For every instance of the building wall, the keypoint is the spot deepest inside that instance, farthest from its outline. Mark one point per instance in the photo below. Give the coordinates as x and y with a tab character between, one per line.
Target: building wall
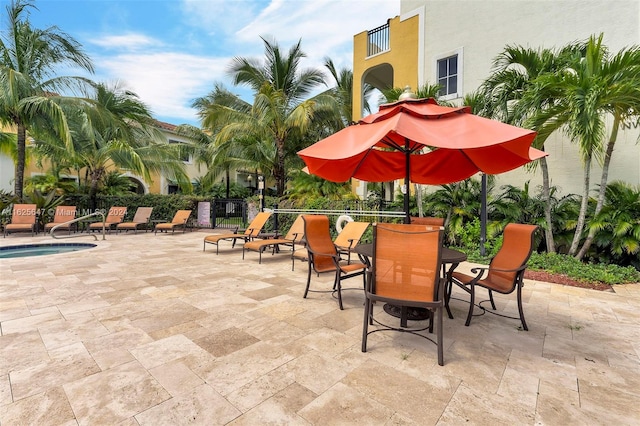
480	29
473	26
7	173
403	49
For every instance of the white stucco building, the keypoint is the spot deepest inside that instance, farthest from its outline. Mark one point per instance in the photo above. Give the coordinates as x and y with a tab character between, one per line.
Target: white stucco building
429	34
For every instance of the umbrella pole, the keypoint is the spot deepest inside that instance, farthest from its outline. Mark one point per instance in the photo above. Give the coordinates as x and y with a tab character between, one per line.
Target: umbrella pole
407	153
483	214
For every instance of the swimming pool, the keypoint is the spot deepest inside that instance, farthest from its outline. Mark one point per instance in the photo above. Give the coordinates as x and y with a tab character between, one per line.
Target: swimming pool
26	250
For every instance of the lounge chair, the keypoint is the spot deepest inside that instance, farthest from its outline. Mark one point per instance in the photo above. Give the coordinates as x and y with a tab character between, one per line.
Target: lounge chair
179	221
63	214
294	236
23	219
140	219
324	256
114	217
345	242
253	231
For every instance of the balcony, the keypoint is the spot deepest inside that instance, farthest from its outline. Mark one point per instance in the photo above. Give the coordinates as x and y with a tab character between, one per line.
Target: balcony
378	40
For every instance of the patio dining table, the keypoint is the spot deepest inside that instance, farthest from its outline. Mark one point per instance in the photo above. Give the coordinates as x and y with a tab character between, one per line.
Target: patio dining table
450	260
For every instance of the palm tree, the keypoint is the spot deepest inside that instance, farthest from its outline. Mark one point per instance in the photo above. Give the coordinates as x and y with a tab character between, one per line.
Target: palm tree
281	114
617	225
343	91
29	58
458	203
506	93
114	128
596	85
219	110
306	187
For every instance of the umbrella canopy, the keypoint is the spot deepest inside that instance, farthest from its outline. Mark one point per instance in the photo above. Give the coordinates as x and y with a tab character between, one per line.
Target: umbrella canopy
423	142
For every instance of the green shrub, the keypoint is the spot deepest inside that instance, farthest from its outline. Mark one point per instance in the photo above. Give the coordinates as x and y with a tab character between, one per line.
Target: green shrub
587	272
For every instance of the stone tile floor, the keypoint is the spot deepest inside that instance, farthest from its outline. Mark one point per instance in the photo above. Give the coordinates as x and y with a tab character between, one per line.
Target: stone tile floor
150	330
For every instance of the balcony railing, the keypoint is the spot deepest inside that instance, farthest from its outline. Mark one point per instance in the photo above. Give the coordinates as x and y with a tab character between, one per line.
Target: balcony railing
378	40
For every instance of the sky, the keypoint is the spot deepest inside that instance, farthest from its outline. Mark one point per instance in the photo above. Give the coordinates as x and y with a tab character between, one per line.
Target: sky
170	52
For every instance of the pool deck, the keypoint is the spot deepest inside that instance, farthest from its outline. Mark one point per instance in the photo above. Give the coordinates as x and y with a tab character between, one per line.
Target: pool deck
150	330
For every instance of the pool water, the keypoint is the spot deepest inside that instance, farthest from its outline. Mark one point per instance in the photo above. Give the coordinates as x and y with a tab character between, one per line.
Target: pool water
27	250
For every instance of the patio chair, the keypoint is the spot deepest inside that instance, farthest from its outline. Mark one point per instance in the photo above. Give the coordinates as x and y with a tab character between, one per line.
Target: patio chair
505	272
23	219
429	221
294	236
63	214
114	217
324	256
179	221
140	219
254	230
349	237
405	271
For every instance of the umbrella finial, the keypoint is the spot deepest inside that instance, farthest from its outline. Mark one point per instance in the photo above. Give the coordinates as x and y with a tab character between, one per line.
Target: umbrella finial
407	94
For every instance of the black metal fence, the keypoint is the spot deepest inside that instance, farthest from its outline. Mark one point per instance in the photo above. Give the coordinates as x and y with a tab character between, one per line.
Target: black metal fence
378	40
229	213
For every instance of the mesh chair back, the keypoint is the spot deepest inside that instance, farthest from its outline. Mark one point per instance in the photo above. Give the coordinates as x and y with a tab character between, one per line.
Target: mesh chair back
296	232
319	242
431	221
517	245
116	214
181	216
23	214
142	215
256	225
351	234
406	262
64	214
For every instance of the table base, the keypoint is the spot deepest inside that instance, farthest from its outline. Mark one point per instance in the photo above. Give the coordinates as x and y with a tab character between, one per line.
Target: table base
413	314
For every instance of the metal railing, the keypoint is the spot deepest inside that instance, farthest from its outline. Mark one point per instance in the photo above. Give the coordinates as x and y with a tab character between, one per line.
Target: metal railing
378	40
80	234
376	213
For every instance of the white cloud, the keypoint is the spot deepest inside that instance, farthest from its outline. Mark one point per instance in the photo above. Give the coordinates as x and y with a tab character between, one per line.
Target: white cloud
168	72
130	41
326	27
167	81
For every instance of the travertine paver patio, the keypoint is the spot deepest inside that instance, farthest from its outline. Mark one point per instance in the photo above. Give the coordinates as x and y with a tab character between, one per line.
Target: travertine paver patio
150	330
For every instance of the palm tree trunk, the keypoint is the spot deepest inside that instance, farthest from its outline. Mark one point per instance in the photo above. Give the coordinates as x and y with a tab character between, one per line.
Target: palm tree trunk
279	171
228	177
95	176
603	184
21	161
583	208
418	190
548	233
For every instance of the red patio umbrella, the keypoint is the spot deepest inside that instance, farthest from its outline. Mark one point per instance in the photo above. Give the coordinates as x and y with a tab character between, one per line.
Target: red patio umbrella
422	142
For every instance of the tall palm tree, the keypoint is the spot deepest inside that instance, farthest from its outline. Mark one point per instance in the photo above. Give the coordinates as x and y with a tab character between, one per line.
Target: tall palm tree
282	112
29	58
220	109
506	92
595	86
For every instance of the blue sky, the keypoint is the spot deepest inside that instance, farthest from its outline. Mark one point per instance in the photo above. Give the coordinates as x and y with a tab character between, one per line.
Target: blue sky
172	51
